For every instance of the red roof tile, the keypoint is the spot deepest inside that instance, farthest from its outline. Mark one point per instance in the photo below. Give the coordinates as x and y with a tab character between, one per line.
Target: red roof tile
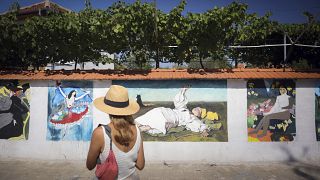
162	74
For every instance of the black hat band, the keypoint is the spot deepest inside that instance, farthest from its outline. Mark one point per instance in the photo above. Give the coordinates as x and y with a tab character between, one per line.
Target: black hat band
116	104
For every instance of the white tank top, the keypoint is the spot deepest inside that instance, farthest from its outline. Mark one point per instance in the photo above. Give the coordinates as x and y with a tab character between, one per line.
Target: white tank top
126	160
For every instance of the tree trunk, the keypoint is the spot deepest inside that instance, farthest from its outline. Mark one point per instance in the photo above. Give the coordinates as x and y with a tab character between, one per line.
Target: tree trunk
201	63
75	64
157	57
236	63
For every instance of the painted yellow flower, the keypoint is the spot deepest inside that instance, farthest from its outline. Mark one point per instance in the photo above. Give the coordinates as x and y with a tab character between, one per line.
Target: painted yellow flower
294	92
4	91
282	139
252	139
289	88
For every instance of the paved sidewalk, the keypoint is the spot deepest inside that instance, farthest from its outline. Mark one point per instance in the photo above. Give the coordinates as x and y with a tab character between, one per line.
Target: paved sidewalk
75	170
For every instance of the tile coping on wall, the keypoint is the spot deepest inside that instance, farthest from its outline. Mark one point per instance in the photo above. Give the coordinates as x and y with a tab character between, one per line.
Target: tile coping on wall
161	74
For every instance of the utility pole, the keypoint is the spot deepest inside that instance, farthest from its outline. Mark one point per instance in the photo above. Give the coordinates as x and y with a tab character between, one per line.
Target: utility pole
284	48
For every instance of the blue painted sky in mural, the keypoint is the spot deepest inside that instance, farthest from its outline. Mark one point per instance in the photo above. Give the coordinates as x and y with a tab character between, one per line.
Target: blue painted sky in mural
207	91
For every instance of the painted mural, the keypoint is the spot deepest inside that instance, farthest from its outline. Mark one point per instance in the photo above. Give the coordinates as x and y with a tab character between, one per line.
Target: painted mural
317	109
271	110
70	111
14	110
181	110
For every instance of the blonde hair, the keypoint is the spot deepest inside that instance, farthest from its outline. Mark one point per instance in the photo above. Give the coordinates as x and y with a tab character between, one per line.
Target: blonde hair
123	133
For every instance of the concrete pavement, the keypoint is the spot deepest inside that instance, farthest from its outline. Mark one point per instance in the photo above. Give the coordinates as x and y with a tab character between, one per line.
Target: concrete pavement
75	170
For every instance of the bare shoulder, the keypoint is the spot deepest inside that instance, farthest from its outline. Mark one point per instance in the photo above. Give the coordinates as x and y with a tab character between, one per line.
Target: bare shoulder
98	130
97	133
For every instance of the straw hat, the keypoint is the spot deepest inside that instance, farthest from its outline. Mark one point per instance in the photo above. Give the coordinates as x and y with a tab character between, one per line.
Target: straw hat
116	102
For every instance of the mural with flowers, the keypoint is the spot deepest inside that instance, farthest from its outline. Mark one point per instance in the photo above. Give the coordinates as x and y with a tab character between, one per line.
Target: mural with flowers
271	110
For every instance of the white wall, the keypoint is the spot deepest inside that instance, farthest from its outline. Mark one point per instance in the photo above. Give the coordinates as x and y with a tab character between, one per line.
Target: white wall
237	149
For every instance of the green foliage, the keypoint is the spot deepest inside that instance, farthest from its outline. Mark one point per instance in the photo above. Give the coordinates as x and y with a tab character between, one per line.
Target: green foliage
250	121
249	29
11	53
301	64
132	31
210	63
308	33
140	33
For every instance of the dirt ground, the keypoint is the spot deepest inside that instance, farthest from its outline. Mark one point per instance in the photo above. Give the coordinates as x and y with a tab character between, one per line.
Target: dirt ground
74	170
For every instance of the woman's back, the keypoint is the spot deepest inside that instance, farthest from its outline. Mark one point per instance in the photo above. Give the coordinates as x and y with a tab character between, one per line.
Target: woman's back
127	144
126	156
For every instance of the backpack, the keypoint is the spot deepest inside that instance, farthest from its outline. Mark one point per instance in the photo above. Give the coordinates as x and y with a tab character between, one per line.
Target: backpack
109	169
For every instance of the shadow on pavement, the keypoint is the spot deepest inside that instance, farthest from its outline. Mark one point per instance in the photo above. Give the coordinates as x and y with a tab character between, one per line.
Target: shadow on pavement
308	171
